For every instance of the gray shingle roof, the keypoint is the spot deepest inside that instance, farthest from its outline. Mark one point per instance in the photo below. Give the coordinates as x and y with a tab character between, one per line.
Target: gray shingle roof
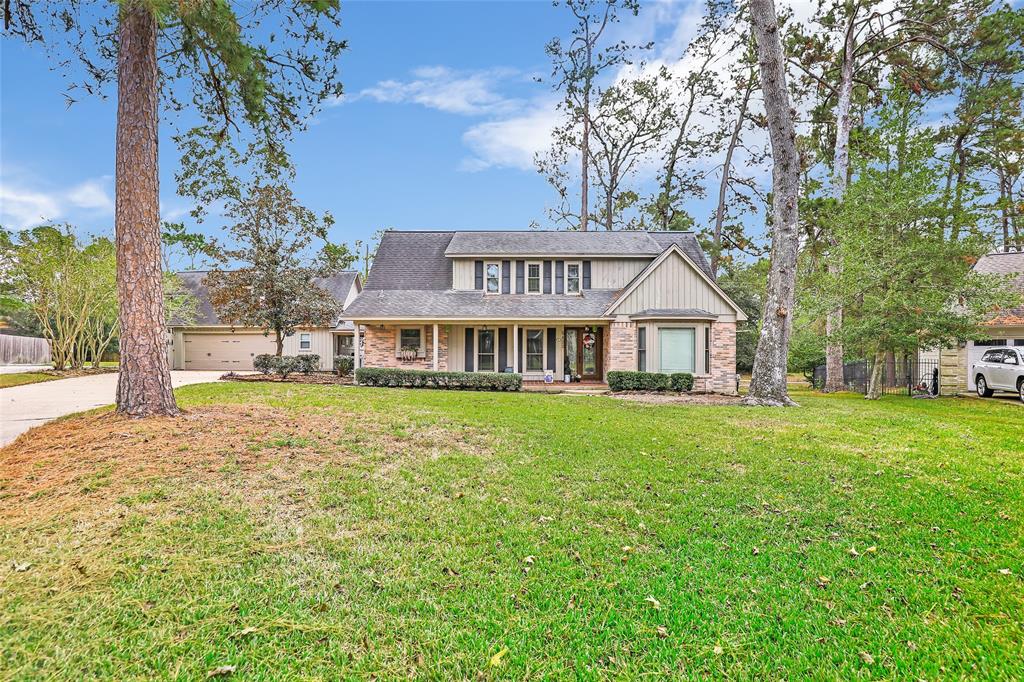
338	284
674	313
475	304
572	243
1006	264
411	260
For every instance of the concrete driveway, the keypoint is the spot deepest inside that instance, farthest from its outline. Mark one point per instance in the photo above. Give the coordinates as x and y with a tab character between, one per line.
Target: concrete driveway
22	407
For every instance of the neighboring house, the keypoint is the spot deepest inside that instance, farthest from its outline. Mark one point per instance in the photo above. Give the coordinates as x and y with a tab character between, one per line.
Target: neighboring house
538	302
208	343
1004	329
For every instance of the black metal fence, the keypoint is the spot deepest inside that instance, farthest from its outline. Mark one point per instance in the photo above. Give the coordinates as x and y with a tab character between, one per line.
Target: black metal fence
908	376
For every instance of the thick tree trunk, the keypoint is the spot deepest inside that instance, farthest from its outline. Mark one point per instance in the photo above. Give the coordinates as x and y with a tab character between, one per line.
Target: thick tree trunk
144	385
834	379
768	383
723	186
279	340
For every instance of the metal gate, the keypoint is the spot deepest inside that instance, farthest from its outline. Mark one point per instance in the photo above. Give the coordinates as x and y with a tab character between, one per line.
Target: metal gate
908	376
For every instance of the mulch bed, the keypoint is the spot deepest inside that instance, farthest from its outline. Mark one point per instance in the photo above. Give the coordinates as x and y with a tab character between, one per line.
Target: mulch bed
667	398
323	378
84	372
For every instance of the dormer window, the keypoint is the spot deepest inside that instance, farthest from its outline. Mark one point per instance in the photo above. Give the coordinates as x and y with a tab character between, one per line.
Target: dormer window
533	277
492	278
573	277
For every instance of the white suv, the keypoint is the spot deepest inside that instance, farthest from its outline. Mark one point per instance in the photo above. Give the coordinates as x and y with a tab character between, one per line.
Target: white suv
1000	369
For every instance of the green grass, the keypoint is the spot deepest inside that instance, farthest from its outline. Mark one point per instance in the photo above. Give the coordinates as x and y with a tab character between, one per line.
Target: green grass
22	378
584	537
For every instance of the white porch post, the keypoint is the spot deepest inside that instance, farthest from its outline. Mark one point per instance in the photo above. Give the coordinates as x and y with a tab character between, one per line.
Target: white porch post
515	348
355	347
435	347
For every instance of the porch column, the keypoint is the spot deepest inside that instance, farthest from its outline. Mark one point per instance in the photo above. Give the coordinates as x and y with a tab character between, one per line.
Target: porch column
435	347
515	348
355	347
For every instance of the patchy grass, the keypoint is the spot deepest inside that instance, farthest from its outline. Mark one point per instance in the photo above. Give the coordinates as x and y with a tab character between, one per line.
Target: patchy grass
315	531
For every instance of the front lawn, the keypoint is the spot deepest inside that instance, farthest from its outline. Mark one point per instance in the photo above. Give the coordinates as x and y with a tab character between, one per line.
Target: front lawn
22	378
283	531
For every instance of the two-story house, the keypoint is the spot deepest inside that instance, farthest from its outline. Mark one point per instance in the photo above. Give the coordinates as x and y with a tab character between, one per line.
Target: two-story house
566	303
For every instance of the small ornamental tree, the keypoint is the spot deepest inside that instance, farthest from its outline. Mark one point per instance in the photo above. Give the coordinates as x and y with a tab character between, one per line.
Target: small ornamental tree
274	288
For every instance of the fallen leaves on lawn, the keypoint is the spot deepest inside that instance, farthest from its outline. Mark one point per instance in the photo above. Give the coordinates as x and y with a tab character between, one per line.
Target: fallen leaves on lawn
719	650
21	567
1005	571
867	658
655	604
823	581
221	671
662	631
496	658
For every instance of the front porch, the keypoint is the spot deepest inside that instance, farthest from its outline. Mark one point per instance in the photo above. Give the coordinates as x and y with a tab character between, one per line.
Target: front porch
535	349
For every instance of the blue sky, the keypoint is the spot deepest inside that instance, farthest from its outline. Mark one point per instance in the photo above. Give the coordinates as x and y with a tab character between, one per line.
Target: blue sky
437	130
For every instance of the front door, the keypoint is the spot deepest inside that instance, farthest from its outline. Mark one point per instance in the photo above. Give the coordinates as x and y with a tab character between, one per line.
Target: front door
583	352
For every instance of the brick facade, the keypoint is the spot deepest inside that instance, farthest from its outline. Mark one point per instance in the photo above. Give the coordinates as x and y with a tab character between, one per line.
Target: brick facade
723	358
380	343
620	350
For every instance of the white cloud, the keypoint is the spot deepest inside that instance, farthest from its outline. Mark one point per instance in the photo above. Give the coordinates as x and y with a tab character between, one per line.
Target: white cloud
22	206
514	141
92	195
470	93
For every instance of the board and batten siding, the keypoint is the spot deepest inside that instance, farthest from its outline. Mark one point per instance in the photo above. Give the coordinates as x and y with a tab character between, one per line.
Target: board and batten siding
605	273
675	284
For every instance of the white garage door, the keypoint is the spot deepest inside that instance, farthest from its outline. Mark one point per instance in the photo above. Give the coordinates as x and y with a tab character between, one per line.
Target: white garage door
225	351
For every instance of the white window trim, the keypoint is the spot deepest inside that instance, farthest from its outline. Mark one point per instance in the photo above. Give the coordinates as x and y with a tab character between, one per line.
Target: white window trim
543	353
540	277
476	350
310	347
422	352
696	346
579	271
486	265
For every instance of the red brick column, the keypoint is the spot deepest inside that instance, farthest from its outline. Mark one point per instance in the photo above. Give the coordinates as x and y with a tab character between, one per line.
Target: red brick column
723	357
621	353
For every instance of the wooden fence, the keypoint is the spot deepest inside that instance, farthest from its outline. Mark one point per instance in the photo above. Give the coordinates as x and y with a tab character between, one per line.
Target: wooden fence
24	350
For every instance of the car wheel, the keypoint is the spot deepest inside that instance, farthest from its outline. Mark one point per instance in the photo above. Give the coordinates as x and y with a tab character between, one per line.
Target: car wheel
983	390
1020	388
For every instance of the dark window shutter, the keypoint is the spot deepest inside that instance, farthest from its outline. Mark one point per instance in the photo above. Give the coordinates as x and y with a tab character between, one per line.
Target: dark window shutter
470	350
502	349
586	274
641	349
547	277
551	349
520	277
478	277
506	277
522	367
559	275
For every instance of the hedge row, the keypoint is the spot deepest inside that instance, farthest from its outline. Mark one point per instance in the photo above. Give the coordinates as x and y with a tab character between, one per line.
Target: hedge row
286	364
650	381
417	378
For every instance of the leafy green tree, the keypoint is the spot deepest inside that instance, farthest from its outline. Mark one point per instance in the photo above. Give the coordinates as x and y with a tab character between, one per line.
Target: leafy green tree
274	288
745	284
264	66
193	244
901	283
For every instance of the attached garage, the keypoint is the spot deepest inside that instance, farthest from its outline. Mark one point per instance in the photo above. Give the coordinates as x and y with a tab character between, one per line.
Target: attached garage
226	351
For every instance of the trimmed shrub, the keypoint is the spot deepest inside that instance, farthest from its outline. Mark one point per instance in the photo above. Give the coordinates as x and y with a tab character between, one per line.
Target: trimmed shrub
417	378
681	381
285	365
638	381
307	363
264	363
343	365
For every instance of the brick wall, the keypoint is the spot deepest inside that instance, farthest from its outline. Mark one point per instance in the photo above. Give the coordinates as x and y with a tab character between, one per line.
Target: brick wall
621	347
379	348
723	358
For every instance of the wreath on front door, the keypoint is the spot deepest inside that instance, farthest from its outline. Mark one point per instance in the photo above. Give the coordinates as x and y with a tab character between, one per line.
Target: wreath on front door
589	339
